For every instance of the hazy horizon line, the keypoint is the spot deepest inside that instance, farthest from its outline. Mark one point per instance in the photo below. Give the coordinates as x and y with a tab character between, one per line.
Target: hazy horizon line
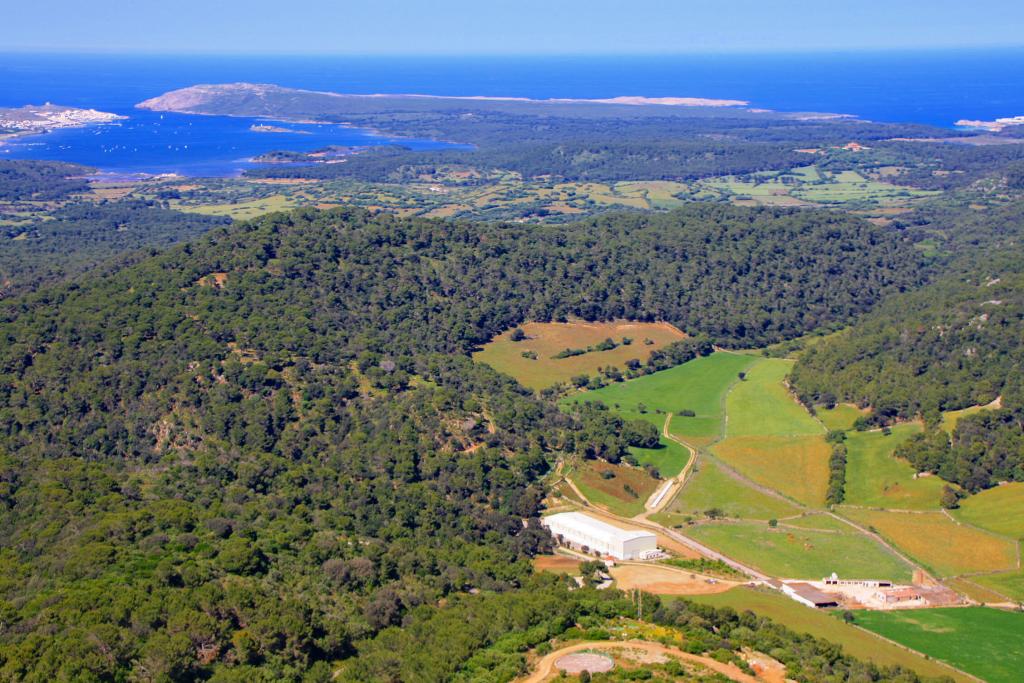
432	55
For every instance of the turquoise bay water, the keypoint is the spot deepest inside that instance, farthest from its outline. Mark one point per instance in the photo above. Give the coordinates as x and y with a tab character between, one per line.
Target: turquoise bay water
933	87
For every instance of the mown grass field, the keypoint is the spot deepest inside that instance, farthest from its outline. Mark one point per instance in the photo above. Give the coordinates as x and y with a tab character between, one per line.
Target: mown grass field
939	543
874	478
612	493
711	487
772	439
802	553
980	640
841	417
821	624
699	385
999	509
548	339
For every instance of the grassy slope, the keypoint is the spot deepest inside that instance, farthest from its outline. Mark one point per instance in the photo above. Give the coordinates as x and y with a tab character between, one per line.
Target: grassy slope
841	417
802	553
669	459
699	385
939	543
772	439
611	493
999	509
979	640
710	487
876	479
821	624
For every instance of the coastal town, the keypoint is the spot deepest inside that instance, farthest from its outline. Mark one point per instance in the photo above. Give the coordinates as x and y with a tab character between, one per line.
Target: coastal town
34	119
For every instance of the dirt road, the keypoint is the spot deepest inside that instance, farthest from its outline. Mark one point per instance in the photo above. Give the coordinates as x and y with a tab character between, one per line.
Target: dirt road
545	667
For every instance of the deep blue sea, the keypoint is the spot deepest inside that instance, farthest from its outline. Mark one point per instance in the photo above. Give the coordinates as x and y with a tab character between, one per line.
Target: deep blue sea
934	87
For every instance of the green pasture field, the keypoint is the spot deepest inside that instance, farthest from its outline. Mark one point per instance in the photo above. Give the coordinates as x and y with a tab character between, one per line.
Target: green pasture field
802	553
670	459
711	487
980	640
999	510
874	478
699	385
761	406
822	624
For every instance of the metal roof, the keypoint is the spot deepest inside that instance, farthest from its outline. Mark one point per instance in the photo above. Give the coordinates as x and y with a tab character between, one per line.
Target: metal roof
596	527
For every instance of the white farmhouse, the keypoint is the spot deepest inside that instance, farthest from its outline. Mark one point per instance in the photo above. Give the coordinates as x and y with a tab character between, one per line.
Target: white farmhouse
580	531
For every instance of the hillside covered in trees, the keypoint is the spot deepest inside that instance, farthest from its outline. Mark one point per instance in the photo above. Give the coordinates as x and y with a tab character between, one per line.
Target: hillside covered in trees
953	344
80	236
246	457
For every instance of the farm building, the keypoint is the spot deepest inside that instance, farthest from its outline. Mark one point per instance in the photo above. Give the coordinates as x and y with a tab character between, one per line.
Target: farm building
583	532
890	596
807	594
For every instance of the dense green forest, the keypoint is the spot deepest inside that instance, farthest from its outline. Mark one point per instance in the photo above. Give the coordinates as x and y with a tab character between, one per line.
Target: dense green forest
244	457
40	180
83	235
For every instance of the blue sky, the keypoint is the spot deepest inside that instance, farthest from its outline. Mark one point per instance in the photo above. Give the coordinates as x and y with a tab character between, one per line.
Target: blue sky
506	26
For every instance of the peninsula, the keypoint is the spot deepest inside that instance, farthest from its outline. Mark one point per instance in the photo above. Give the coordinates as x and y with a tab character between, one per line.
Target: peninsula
35	119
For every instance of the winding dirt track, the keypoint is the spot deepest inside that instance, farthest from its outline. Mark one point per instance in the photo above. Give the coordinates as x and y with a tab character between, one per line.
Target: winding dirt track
546	665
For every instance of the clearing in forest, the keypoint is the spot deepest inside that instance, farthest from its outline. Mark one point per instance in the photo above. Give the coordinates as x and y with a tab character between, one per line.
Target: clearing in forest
802	553
820	623
546	340
698	386
980	640
939	543
874	478
771	438
841	417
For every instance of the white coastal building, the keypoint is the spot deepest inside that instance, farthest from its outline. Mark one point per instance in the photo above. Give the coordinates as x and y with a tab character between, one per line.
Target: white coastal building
583	532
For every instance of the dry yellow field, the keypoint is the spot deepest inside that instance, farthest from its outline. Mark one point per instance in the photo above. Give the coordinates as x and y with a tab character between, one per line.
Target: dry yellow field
796	466
936	541
548	339
666	580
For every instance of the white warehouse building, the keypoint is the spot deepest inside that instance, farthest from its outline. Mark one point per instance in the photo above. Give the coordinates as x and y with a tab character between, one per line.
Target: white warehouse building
578	530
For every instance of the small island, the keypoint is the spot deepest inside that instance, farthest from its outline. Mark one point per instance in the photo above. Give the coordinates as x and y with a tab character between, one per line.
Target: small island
265	128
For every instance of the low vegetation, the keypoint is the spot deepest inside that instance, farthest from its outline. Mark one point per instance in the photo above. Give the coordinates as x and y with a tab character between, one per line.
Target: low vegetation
982	641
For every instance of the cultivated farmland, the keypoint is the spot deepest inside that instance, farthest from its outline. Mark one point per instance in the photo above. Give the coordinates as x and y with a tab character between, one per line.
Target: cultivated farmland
983	641
801	553
821	624
772	439
874	478
546	340
936	541
624	492
711	487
